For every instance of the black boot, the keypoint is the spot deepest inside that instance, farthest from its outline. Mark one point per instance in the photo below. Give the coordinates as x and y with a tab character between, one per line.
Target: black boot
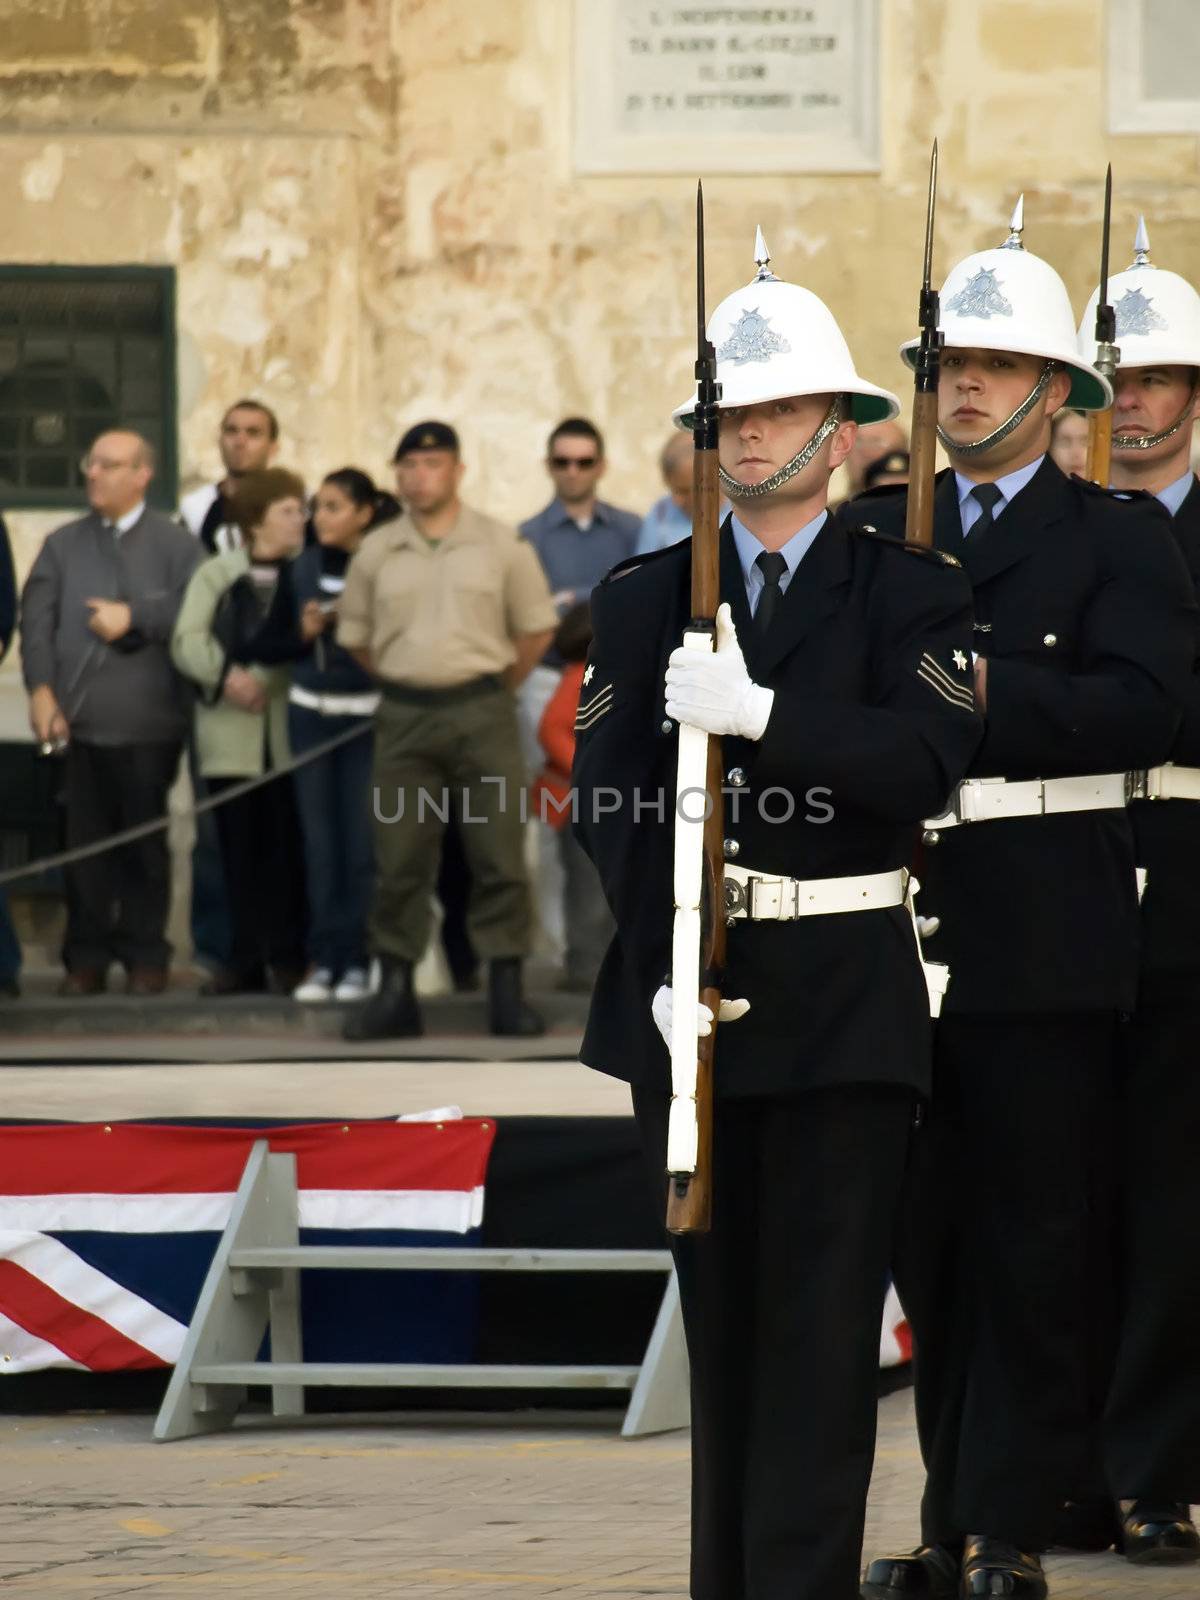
507	1012
392	1012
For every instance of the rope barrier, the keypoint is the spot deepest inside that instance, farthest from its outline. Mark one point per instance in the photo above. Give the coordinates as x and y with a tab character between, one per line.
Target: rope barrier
143	830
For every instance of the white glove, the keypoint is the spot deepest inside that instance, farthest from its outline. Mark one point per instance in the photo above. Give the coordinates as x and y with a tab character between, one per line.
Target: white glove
712	689
660	1008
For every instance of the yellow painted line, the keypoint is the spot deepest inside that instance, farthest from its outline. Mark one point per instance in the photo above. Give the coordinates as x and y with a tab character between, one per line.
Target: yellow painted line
144	1525
251	1477
250	1581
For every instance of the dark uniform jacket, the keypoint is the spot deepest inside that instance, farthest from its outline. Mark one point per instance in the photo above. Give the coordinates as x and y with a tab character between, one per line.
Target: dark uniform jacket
1167	837
1086	614
872	725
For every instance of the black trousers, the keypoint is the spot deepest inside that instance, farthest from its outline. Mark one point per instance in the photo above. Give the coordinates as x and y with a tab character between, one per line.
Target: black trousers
263	855
1152	1423
782	1305
117	901
1000	1265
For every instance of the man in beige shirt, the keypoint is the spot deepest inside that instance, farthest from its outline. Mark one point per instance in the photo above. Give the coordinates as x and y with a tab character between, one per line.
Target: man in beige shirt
450	610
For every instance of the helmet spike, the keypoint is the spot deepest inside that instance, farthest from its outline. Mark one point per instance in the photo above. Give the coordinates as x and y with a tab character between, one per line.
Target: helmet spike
1141	245
762	259
1016	226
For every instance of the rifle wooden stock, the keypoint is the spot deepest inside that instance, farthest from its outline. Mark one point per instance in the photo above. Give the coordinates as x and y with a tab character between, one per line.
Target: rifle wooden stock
918	520
1099	448
689	1195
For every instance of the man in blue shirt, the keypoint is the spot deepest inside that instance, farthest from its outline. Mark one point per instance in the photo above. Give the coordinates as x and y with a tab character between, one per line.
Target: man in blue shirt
579	538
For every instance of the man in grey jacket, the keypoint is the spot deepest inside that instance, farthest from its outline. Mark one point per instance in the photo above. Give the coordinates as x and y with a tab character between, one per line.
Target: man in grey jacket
96	618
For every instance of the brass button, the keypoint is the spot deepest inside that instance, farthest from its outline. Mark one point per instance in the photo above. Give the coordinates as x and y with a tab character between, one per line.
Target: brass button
737	777
1050	640
731	848
931	836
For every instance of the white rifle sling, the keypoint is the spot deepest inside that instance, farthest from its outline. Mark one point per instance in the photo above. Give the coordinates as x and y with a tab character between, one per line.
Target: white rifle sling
690	808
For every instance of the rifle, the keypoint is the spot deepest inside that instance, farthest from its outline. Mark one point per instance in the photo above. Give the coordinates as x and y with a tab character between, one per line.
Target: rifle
918	519
1100	423
698	942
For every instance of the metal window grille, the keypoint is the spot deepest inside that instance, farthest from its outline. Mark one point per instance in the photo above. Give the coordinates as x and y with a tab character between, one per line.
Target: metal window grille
83	349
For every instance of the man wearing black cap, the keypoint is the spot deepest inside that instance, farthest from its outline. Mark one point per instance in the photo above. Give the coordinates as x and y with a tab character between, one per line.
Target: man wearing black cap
450	610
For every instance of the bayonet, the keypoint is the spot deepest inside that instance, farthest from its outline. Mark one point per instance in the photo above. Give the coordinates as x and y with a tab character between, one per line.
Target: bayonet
918	520
1100	423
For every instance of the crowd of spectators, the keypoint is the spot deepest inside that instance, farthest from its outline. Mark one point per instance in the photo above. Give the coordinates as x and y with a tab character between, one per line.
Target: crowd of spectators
301	653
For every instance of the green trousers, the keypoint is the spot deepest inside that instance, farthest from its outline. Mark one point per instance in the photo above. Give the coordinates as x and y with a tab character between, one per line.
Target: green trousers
433	761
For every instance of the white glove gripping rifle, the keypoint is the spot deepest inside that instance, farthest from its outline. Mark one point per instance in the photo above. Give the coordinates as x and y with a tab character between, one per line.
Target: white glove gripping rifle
698	943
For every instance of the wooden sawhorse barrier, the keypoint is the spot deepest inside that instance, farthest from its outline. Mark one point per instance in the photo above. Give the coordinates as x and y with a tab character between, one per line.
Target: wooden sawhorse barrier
253	1286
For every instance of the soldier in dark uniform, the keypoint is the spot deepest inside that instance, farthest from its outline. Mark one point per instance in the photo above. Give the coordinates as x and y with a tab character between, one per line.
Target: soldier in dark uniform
1151	1430
1084	634
840	690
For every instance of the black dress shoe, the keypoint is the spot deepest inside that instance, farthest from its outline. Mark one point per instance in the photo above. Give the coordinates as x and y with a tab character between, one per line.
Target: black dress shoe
992	1567
930	1573
1159	1533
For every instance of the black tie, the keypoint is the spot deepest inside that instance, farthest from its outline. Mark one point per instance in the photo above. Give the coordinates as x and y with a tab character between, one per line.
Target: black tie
772	565
985	496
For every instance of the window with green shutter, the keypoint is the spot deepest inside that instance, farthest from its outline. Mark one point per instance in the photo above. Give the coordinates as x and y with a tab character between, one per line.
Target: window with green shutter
83	349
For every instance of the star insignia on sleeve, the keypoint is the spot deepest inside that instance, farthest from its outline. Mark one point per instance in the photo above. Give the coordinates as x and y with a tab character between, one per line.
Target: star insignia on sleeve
960	661
588	674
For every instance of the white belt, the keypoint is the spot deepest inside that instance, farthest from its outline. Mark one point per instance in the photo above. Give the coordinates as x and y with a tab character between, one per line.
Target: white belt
1168	782
985	799
335	705
759	898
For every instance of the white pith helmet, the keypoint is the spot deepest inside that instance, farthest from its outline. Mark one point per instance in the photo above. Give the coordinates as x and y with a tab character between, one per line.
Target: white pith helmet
1158	313
775	339
1009	299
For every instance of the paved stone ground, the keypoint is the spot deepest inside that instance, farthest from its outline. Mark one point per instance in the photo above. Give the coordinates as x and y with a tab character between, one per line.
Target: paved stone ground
463	1508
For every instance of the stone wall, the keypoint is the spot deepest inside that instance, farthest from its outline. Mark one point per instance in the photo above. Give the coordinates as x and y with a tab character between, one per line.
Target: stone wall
372	212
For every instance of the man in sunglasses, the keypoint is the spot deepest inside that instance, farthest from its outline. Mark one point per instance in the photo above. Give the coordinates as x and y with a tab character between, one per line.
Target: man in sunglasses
579	539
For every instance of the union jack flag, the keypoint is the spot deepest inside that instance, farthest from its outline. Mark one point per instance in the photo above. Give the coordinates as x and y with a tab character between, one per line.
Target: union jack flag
107	1231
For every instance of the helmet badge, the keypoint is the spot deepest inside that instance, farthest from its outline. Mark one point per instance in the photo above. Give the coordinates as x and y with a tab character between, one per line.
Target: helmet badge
1136	314
981	297
753	339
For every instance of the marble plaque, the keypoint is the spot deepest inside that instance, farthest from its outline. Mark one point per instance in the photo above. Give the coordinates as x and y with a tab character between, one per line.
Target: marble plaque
1153	66
670	86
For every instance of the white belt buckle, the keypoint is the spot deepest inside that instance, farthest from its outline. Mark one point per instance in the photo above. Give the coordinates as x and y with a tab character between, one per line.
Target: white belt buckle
764	899
984	799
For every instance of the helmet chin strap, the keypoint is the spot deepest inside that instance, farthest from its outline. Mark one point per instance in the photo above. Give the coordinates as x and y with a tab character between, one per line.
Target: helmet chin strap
755	491
978	447
1138	441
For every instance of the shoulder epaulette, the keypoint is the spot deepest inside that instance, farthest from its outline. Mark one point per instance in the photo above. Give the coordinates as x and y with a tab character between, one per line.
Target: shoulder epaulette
942	557
632	563
1127	495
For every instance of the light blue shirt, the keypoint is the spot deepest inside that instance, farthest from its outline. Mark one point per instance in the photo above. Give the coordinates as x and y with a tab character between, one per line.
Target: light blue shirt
1009	486
664	524
749	548
1176	493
